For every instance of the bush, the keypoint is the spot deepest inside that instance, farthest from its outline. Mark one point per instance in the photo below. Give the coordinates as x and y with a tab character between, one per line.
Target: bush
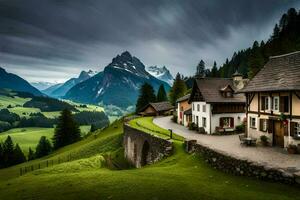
264	140
240	128
192	126
7	116
174	118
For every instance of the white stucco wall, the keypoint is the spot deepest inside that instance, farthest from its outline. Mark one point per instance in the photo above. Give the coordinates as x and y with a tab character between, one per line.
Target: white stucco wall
215	119
202	114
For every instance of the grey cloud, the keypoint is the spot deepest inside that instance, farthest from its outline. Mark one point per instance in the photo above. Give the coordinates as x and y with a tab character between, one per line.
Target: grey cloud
67	35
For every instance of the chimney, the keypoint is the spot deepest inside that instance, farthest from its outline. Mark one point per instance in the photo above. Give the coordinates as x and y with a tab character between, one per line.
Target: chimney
238	81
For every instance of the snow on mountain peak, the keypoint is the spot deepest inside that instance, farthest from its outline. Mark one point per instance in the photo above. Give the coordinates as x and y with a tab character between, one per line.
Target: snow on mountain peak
161	73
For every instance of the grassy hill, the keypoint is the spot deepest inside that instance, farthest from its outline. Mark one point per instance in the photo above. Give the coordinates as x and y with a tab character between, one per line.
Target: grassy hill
29	137
181	176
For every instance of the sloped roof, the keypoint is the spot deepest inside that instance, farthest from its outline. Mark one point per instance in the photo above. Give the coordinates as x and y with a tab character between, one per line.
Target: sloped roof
162	106
210	89
188	112
186	97
280	73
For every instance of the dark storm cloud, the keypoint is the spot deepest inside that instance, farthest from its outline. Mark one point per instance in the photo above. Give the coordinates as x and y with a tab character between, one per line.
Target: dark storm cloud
67	35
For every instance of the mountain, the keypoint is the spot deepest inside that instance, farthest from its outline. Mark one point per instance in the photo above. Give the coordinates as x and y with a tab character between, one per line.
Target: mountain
42	85
117	85
161	73
62	89
14	82
52	88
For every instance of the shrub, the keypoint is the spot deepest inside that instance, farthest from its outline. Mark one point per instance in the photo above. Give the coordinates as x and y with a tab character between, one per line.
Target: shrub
174	119
264	140
240	128
192	126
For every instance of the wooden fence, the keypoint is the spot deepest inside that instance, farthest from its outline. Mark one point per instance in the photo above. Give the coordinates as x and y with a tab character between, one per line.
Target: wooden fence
46	163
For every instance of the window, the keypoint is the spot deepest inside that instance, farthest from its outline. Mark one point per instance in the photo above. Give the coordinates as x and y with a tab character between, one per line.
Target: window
197	120
284	104
226	122
228	94
265	103
181	108
203	108
297	130
276	103
263	125
193	107
198	107
252	122
203	122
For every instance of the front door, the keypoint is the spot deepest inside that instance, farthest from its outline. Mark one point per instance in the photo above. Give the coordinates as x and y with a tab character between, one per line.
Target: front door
278	134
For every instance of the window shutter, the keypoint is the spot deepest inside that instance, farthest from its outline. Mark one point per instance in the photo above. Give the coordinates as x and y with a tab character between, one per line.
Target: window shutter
221	122
293	126
270	126
281	104
263	103
261	124
231	122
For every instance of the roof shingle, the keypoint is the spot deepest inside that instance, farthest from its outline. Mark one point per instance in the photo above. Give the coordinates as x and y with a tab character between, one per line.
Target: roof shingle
280	73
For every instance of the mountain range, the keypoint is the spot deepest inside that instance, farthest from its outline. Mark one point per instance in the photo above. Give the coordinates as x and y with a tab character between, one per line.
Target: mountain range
59	90
161	73
14	82
117	85
40	85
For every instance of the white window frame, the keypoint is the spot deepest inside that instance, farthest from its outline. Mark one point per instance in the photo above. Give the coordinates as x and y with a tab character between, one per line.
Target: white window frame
204	121
255	122
265	126
276	99
297	127
204	108
267	103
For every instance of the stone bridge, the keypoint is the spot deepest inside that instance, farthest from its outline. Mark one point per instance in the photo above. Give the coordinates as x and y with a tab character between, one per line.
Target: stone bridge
142	148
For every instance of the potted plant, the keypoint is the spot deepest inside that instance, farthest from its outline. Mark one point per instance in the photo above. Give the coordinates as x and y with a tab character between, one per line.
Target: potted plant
292	149
264	140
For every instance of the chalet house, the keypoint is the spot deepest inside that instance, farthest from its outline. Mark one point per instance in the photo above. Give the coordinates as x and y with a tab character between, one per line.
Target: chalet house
273	101
184	110
156	109
215	105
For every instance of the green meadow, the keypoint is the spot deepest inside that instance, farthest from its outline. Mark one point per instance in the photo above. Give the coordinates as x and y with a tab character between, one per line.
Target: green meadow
180	176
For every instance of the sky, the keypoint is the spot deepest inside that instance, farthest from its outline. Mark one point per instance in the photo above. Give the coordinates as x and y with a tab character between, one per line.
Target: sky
53	40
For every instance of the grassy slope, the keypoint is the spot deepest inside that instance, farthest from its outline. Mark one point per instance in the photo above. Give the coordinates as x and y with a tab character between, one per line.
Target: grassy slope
29	137
180	176
146	124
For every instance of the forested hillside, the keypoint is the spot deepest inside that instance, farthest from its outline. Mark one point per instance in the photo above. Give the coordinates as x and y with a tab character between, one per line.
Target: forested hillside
284	39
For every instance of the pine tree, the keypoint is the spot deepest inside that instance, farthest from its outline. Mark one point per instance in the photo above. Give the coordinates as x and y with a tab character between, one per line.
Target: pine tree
43	148
214	70
256	60
161	94
145	97
200	73
8	152
31	155
67	130
18	155
1	156
178	89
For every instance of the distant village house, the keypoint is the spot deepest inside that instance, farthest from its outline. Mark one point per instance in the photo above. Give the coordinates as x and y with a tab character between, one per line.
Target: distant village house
156	109
184	110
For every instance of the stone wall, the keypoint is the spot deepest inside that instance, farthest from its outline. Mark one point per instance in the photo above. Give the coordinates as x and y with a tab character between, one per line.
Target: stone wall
242	167
142	148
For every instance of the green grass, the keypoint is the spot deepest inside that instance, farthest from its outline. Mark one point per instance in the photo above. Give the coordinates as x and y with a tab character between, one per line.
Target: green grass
5	101
51	115
146	124
29	137
180	176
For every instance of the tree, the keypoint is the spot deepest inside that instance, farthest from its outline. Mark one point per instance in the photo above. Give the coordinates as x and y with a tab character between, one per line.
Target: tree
8	151
31	155
200	72
161	94
178	89
43	148
18	155
256	60
145	97
1	156
214	70
93	128
67	130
